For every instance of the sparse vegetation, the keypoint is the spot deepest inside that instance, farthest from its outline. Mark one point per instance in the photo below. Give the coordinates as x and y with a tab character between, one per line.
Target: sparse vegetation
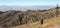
15	18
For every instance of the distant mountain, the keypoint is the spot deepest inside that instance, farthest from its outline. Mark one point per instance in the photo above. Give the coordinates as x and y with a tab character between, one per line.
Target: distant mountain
4	8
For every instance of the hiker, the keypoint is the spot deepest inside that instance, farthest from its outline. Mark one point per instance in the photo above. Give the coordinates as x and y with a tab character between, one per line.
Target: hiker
20	19
42	21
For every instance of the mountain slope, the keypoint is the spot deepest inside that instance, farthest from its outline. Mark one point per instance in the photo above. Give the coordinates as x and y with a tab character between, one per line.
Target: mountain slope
14	18
50	23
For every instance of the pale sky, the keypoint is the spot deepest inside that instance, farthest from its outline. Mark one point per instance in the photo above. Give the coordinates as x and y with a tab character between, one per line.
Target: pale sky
28	2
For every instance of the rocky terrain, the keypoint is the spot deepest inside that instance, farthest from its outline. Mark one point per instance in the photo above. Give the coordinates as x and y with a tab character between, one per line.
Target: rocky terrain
14	18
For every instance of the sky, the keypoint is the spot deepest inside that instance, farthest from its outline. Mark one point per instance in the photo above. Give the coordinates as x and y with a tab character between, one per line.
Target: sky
28	2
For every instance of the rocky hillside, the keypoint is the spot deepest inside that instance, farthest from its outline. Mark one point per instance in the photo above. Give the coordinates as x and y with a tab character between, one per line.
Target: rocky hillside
49	23
13	18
